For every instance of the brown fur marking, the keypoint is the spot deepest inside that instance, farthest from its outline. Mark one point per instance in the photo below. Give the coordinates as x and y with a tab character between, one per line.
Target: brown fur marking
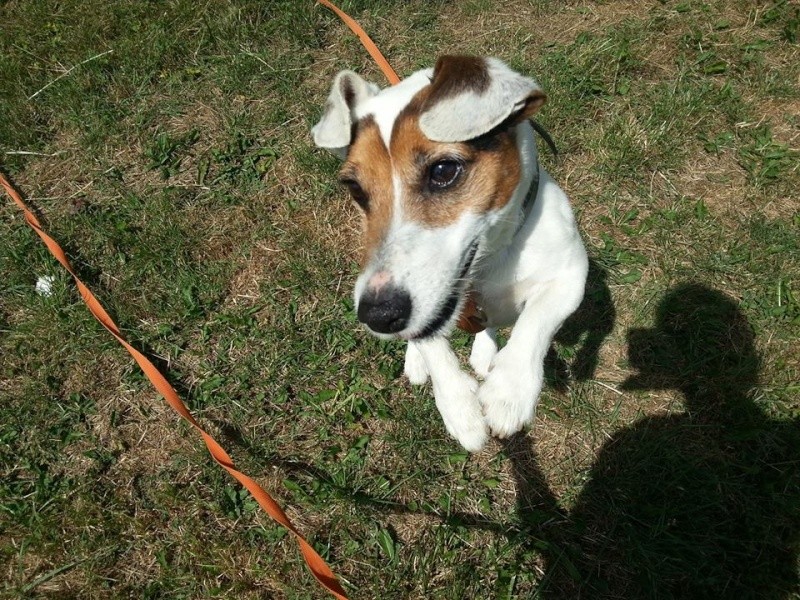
368	163
454	75
491	171
490	176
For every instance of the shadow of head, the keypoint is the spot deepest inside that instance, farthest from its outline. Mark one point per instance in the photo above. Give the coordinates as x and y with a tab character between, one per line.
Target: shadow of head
701	344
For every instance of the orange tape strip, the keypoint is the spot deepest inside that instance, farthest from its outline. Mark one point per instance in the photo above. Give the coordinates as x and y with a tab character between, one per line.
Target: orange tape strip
367	41
318	566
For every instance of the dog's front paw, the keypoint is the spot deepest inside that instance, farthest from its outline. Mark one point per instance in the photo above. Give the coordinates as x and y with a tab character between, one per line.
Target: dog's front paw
471	431
461	412
484	349
508	399
414	367
472	434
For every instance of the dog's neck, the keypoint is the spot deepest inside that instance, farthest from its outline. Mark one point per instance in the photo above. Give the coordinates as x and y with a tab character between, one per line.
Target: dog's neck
500	236
508	222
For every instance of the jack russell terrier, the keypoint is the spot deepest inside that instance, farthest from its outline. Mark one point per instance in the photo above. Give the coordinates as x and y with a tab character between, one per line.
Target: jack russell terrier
458	215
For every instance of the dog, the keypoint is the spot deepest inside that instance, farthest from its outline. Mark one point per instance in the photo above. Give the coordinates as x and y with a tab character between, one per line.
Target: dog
458	215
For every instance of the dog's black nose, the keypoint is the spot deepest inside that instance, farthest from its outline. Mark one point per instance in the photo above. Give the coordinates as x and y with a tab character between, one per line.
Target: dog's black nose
385	311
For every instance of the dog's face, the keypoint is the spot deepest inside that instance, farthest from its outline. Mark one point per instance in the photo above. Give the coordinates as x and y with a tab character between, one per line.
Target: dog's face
432	163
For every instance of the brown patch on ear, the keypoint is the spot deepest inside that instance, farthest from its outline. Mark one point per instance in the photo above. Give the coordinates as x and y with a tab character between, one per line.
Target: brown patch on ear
454	75
368	163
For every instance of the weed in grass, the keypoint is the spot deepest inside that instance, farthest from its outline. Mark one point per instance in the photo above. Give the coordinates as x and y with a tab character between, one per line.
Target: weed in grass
784	14
765	160
241	162
611	256
165	152
718	143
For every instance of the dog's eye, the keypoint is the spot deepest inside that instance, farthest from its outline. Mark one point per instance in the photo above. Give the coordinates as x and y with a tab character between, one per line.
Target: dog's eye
357	192
444	173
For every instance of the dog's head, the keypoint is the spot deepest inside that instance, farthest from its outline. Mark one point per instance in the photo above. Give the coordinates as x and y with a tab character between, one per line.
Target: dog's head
433	163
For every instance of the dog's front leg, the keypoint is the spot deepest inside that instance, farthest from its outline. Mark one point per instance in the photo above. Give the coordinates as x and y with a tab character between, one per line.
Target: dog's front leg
511	390
454	391
484	349
414	367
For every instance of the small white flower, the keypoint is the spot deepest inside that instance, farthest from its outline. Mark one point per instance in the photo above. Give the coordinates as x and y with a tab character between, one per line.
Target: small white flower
44	285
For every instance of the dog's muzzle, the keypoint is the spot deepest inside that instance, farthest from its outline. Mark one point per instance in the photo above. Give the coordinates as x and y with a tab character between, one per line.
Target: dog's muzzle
386	310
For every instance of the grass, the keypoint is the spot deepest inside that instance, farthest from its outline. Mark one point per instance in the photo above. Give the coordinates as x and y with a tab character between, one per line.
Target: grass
178	173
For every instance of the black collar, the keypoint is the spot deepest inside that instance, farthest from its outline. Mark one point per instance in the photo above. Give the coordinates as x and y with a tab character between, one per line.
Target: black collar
530	197
533	191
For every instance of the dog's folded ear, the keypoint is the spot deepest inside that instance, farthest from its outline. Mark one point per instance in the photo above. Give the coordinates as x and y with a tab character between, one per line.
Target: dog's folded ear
334	130
470	96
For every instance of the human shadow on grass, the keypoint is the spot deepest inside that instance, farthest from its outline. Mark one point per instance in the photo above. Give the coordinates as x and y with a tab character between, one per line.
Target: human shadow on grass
704	503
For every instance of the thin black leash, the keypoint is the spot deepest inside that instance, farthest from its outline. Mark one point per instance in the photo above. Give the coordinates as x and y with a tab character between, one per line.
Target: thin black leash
546	137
